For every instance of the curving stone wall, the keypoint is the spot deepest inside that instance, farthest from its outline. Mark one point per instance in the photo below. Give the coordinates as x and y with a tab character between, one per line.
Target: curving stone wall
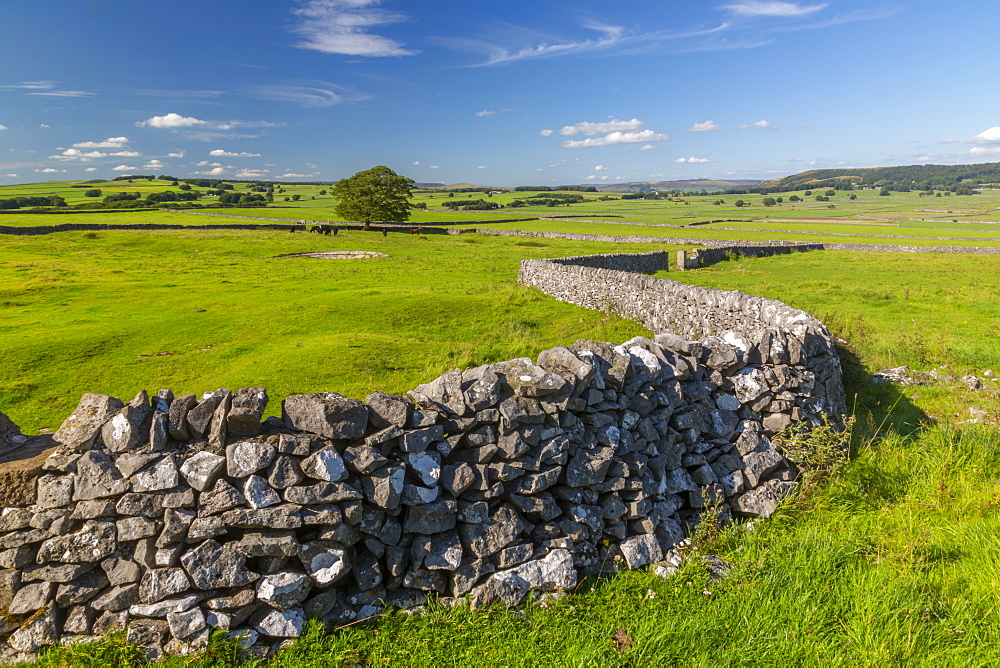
175	515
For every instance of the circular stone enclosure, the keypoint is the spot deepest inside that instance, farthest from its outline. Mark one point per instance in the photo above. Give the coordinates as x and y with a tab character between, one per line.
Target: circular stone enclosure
338	255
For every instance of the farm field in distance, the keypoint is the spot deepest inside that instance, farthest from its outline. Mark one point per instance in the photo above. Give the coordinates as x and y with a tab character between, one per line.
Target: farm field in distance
890	561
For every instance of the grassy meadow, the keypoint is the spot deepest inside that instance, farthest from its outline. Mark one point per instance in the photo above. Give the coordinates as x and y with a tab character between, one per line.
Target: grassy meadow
890	558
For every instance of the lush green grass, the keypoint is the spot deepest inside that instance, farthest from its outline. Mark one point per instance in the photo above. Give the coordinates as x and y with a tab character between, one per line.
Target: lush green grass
116	312
890	562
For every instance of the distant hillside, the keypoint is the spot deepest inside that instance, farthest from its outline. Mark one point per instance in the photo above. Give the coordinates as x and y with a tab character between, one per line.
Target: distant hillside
908	177
688	185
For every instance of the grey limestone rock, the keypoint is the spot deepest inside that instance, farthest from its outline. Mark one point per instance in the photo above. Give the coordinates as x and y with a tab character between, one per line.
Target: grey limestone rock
199	417
156	478
220	498
284	590
160	583
364	459
325	464
97	477
258	493
185	624
387	410
215	566
54	491
326	414
38	632
491	536
280	623
201	469
124	431
94	542
32	597
480	388
442	394
528	379
325	562
589	467
80	430
640	551
761	501
431	518
116	599
177	416
246	412
248	457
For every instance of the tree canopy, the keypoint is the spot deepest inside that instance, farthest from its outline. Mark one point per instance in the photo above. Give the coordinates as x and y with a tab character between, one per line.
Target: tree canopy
374	195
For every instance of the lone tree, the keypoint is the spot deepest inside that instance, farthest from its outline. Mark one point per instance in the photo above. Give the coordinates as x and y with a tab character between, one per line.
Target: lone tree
374	195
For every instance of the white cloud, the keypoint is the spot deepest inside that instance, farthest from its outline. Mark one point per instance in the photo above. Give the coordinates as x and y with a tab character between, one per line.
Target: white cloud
340	26
759	125
110	142
591	129
546	133
4	127
985	150
306	93
481	167
251	173
772	8
646	147
416	162
91	169
44	125
178	154
613	138
13	176
433	167
218	171
600	168
126	154
705	126
591	177
219	153
49	170
124	168
153	164
991	136
485	112
692	160
291	175
171	120
30	85
947	141
64	93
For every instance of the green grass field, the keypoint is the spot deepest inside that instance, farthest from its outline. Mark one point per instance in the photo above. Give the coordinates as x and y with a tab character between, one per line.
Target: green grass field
890	561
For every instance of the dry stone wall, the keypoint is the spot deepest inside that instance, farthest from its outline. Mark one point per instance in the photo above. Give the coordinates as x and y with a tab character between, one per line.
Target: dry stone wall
175	515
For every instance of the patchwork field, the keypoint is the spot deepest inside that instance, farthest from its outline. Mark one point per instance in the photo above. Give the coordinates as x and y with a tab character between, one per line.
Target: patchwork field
890	559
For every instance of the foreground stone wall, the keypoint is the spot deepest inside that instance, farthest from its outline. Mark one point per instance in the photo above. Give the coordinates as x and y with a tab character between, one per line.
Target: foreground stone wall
176	515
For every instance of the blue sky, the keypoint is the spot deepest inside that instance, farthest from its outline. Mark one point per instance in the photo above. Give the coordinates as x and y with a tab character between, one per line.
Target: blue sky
493	93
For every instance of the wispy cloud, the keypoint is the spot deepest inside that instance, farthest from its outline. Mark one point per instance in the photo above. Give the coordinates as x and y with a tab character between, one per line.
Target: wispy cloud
204	130
490	112
591	129
29	85
704	126
110	142
612	132
342	27
218	171
124	168
4	127
306	93
759	125
49	170
251	173
536	45
44	88
220	153
692	160
171	120
772	8
612	138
